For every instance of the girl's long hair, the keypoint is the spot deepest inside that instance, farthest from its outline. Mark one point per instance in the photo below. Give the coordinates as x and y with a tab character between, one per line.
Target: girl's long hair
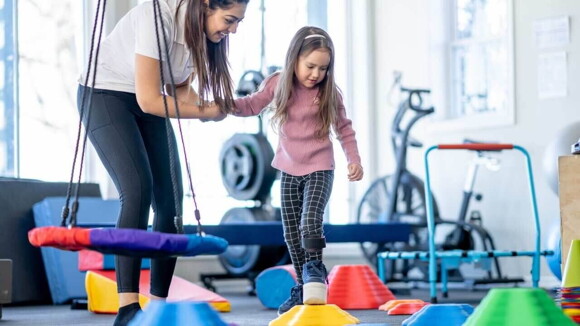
210	61
328	92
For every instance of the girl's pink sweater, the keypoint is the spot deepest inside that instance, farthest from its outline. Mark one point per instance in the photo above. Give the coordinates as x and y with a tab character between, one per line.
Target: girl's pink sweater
299	151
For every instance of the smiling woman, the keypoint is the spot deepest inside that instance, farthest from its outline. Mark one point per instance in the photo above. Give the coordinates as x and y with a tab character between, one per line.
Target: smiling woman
141	79
219	25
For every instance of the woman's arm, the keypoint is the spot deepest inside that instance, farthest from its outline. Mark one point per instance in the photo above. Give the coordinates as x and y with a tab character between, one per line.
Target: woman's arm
150	99
184	91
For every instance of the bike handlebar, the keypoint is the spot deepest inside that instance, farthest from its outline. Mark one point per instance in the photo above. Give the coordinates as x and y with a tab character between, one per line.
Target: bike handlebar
416	90
416	94
477	147
420	110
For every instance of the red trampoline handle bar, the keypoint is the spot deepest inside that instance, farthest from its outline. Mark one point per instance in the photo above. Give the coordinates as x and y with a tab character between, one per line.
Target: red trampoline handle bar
477	147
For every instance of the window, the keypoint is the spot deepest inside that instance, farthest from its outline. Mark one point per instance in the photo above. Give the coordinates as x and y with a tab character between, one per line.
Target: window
49	43
8	113
482	63
205	140
50	57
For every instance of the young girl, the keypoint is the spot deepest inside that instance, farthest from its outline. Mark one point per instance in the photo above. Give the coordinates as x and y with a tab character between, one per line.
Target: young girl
307	105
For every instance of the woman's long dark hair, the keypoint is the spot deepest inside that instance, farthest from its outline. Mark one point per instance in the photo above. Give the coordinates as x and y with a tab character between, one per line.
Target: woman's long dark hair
210	60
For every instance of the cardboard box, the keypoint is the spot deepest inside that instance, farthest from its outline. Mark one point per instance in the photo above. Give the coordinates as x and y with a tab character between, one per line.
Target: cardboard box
569	193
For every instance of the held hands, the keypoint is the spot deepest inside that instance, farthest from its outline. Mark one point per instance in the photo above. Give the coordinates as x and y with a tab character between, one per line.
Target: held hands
355	172
212	112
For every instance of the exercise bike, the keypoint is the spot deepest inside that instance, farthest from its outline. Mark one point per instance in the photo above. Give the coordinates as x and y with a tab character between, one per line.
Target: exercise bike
381	204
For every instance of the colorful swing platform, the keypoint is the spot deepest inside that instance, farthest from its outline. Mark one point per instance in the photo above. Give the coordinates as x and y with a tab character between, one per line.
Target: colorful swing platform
128	242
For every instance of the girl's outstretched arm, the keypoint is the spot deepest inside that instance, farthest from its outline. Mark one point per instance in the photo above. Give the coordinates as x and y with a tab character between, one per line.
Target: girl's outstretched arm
255	103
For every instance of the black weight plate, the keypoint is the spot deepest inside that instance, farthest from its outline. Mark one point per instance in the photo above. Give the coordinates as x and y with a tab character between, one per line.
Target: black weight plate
244	180
237	167
249	82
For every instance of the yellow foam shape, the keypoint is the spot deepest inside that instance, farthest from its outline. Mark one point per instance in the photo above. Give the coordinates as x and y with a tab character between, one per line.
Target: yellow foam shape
571	312
101	289
221	306
315	315
102	294
571	276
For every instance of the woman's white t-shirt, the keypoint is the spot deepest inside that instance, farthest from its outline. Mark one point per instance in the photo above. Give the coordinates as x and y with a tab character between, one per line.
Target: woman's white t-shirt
135	34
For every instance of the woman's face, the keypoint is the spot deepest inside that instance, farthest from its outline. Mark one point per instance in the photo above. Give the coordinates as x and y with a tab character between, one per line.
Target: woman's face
220	22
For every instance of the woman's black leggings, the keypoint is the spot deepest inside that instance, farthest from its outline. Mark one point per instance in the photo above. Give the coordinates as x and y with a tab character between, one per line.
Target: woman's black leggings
133	148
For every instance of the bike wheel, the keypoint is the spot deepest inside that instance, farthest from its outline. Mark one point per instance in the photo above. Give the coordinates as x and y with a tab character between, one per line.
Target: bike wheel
409	208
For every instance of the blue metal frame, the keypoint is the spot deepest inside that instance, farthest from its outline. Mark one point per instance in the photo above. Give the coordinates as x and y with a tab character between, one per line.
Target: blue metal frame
453	258
433	255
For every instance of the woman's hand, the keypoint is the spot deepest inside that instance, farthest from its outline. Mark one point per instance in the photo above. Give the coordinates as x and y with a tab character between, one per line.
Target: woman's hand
355	172
212	112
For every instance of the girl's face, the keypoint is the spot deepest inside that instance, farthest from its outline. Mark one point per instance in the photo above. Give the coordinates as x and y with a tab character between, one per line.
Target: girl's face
311	68
220	22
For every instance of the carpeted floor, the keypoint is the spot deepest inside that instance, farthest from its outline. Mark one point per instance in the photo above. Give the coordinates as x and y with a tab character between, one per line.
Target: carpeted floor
246	310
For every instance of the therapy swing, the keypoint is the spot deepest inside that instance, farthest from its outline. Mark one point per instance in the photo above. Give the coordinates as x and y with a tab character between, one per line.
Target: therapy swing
127	242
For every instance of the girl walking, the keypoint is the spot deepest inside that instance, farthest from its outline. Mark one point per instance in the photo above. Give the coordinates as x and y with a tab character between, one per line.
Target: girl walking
307	108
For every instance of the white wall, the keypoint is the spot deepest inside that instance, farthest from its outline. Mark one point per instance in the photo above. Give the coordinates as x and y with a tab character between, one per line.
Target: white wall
407	40
407	35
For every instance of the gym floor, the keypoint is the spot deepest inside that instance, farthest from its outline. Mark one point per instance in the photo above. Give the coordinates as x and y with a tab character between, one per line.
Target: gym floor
246	310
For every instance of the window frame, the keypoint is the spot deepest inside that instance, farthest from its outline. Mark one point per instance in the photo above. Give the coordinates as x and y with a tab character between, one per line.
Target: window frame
9	53
505	117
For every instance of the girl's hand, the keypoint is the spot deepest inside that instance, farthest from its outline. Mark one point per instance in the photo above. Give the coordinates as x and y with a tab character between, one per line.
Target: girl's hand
355	172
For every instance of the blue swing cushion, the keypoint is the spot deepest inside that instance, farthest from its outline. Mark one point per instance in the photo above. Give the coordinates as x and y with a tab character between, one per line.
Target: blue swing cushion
128	242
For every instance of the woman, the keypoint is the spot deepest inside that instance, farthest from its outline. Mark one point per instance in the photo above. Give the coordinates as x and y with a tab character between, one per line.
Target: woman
127	126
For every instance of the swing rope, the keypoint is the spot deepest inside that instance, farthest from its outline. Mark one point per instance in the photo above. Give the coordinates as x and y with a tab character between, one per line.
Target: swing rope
66	210
178	218
86	103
